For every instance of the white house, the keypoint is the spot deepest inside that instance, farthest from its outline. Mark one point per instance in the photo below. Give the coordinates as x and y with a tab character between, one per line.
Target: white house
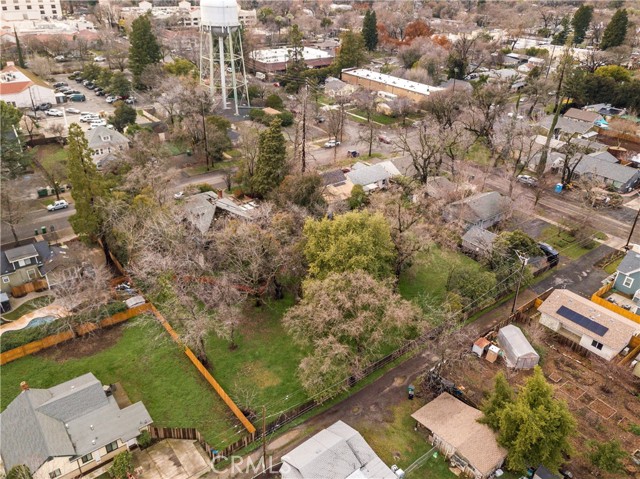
69	429
28	10
105	143
23	89
595	328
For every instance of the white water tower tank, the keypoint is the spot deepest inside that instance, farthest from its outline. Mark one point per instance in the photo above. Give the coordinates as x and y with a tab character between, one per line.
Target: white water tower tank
219	14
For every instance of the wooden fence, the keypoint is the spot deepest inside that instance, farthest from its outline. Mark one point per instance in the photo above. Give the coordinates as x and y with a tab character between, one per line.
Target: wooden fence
24	289
598	299
80	330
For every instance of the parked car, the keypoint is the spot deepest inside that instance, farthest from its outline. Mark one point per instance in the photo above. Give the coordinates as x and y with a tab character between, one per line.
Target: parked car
99	92
77	97
320	119
130	101
79	79
73	111
58	205
97	123
59	58
53	112
110	99
90	86
527	180
179	195
72	92
86	118
59	84
332	144
43	106
384	139
99	59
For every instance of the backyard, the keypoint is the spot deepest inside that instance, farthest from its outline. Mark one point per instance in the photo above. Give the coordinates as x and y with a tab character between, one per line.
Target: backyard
27	307
149	366
567	244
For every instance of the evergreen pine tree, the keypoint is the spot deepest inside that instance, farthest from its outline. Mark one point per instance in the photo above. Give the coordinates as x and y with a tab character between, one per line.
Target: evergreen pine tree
560	38
370	30
296	67
351	53
21	63
616	30
494	405
271	162
144	49
580	23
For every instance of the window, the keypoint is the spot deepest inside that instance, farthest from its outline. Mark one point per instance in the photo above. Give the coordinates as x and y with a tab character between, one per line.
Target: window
4	8
17	7
55	474
22	262
41	12
87	458
5	279
628	281
29	7
596	345
112	447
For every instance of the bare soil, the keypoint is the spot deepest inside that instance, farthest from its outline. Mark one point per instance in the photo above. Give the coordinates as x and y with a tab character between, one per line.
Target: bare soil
84	346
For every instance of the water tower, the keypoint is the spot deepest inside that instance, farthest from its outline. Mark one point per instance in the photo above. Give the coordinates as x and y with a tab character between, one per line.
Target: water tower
219	25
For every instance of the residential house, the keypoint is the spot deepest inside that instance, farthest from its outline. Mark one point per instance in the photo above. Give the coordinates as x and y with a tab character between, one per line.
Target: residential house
594	327
370	177
454	429
201	210
338	452
544	473
627	278
105	143
621	178
24	89
583	115
68	429
565	127
605	109
24	264
337	187
334	87
478	241
482	209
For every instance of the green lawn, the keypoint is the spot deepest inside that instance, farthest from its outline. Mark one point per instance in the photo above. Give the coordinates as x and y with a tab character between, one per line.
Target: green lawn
151	369
377	117
613	267
479	153
436	467
220	165
176	148
27	307
52	150
564	242
262	369
430	271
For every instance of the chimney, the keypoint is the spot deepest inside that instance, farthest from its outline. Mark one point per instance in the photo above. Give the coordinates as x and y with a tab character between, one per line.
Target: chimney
219	193
24	385
10	64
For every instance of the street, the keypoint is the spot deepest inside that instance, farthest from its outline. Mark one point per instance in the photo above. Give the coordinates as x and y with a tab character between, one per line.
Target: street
35	220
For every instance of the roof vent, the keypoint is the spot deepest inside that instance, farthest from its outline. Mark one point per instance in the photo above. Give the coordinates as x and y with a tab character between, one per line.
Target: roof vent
24	385
91	426
66	424
93	441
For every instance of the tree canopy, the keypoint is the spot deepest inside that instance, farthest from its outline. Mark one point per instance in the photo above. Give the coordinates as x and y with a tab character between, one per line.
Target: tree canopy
351	53
347	318
580	22
270	167
607	456
144	49
349	242
370	30
13	158
616	30
123	116
494	405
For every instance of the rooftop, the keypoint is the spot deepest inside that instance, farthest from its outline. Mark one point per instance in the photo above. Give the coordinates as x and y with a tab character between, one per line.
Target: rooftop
582	115
630	263
602	167
481	207
590	319
457	424
397	82
281	55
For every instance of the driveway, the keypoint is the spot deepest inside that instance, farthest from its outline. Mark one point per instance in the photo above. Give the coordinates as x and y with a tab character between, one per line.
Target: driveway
170	459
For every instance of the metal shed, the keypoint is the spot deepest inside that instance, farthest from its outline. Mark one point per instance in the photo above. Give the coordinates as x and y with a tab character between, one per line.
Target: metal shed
518	352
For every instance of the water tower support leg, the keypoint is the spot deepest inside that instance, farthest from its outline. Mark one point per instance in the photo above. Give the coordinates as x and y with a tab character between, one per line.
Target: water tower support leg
212	80
223	80
232	57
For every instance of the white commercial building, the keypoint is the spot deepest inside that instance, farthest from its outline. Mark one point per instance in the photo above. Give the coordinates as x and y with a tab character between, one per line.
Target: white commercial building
23	89
276	59
386	83
11	10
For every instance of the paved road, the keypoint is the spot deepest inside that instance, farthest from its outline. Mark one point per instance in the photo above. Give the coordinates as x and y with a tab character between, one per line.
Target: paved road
35	220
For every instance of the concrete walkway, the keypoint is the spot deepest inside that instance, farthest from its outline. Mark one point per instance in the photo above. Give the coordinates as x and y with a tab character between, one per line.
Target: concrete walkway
52	310
170	459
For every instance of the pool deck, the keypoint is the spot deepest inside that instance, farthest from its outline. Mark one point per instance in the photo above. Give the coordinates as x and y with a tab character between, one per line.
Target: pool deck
51	310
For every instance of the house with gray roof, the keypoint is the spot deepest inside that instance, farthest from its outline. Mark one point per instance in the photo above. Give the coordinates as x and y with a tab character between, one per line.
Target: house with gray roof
478	241
622	178
68	429
370	177
106	143
23	264
566	126
483	210
338	452
627	278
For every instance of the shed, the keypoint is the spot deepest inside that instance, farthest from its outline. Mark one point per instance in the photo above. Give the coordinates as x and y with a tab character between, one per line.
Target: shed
518	352
480	346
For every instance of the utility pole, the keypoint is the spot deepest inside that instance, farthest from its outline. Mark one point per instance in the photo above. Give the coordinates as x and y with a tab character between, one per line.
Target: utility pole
635	222
304	126
523	259
264	436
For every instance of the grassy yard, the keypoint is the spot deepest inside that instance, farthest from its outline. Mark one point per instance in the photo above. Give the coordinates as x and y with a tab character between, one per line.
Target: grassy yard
377	117
479	153
429	273
613	267
262	369
27	307
220	165
52	150
564	242
176	148
436	467
150	369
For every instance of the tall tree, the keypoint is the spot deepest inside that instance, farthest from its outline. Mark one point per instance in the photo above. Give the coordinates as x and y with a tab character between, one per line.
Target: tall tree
123	116
501	395
347	319
580	23
296	66
89	189
370	30
21	63
560	38
14	159
349	242
13	208
270	167
536	428
144	49
607	456
351	52
616	30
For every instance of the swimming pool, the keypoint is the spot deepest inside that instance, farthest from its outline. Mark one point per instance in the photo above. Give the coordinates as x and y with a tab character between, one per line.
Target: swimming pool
40	321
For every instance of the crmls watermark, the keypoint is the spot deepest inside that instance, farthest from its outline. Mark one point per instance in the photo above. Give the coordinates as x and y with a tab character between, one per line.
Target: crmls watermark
241	465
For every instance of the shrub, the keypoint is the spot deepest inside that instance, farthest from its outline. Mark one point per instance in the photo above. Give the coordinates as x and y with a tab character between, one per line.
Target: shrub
144	439
122	465
257	115
358	197
274	101
286	118
204	187
635	429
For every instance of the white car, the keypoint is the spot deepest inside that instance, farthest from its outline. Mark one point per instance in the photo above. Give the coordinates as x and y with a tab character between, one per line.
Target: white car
99	59
96	123
332	144
89	117
73	111
110	99
179	195
53	112
527	180
58	205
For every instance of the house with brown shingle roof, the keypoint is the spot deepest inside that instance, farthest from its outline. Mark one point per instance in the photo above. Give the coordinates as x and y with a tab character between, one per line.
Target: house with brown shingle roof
24	89
596	328
582	115
454	429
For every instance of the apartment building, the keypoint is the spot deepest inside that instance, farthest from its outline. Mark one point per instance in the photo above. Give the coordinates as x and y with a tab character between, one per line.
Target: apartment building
12	10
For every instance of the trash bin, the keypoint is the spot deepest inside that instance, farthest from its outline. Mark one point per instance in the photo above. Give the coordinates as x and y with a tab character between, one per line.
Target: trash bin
43	229
558	188
411	391
189	153
43	192
35	232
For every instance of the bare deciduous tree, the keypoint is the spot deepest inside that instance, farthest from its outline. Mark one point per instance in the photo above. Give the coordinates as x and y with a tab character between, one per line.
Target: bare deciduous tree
13	208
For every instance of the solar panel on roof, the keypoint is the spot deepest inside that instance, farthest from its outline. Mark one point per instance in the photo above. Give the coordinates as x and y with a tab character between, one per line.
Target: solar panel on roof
582	320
